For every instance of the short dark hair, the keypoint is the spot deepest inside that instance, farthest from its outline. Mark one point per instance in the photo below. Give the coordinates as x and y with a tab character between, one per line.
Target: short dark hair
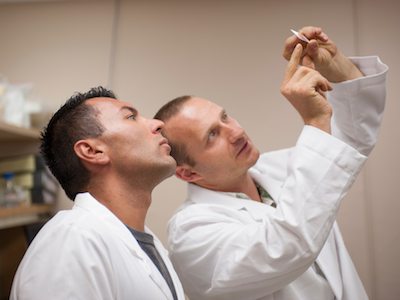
178	149
74	121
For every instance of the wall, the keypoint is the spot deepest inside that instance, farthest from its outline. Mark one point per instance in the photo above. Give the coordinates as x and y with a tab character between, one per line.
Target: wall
149	52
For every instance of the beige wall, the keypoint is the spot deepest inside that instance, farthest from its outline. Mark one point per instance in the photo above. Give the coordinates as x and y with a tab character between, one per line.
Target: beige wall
228	51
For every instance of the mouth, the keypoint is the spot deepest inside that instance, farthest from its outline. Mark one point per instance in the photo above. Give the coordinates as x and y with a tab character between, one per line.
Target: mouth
244	147
164	142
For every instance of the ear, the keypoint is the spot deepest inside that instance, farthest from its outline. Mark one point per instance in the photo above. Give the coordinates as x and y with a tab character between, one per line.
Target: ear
186	173
91	151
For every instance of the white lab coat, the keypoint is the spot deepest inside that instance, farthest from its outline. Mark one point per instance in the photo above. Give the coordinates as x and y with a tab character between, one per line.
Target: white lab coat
88	253
228	248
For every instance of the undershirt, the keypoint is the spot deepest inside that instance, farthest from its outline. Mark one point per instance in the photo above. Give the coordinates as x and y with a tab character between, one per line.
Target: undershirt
146	242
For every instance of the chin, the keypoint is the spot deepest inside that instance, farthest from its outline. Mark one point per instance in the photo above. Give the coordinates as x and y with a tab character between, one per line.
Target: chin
163	172
254	157
170	168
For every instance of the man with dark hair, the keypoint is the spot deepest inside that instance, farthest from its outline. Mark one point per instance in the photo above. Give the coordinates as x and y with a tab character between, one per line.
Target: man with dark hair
108	158
73	122
263	227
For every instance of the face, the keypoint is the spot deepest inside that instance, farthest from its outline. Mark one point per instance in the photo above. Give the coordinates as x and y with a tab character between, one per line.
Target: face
134	143
219	146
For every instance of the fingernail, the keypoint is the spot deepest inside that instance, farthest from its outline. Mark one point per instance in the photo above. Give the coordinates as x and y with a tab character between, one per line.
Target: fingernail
313	46
298	46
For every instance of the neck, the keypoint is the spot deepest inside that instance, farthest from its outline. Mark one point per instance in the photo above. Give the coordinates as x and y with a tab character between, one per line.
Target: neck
127	203
243	184
249	188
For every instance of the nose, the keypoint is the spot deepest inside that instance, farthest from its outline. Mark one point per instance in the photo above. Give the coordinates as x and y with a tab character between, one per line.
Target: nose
235	133
156	126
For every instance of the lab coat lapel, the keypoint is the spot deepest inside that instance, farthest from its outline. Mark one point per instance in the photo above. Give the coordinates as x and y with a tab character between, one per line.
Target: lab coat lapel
127	238
90	203
329	264
175	279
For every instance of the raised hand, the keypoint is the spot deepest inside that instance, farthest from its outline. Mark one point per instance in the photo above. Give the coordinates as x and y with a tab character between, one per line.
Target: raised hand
305	89
322	54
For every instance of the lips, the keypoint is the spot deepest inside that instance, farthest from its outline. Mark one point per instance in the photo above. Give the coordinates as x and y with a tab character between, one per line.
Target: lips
164	142
244	147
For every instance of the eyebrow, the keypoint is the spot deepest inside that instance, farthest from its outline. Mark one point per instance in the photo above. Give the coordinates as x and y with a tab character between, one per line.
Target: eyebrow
131	109
210	128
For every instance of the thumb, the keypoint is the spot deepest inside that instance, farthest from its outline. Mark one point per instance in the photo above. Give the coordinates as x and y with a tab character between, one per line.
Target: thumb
312	49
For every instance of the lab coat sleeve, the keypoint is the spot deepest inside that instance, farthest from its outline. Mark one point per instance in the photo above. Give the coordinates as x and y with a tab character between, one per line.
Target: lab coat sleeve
65	264
358	105
220	257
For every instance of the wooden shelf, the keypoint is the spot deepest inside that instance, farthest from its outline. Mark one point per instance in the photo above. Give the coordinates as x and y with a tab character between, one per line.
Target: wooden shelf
24	215
11	133
16	140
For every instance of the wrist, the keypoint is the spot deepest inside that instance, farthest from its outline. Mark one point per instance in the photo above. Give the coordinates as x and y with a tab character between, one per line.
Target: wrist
323	123
341	69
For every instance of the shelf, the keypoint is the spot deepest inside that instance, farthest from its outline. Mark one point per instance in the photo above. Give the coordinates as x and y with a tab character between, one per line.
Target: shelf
11	133
16	140
24	215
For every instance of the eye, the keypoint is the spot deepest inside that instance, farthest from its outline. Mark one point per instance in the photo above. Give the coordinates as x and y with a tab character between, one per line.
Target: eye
212	134
224	117
131	117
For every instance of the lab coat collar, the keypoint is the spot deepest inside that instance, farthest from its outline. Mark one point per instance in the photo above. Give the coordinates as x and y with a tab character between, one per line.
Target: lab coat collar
198	194
88	202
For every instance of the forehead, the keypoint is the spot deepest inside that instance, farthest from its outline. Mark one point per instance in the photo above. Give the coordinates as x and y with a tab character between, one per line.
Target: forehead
109	107
198	109
195	117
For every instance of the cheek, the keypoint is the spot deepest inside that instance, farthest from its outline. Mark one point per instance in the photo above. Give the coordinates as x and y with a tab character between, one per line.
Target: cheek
214	164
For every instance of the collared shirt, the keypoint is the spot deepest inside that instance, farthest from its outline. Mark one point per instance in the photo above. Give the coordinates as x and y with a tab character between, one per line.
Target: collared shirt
265	197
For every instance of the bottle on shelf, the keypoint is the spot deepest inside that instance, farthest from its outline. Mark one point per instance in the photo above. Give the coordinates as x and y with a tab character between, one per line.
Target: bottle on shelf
11	194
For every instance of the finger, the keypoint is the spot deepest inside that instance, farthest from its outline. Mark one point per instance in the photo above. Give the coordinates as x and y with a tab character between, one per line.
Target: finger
314	33
308	62
293	63
323	84
290	44
322	93
315	80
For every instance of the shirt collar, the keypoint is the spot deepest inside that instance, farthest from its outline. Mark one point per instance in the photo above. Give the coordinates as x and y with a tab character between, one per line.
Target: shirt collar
265	197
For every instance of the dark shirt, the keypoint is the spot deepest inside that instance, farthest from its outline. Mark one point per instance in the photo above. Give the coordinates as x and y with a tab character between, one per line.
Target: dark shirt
146	241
